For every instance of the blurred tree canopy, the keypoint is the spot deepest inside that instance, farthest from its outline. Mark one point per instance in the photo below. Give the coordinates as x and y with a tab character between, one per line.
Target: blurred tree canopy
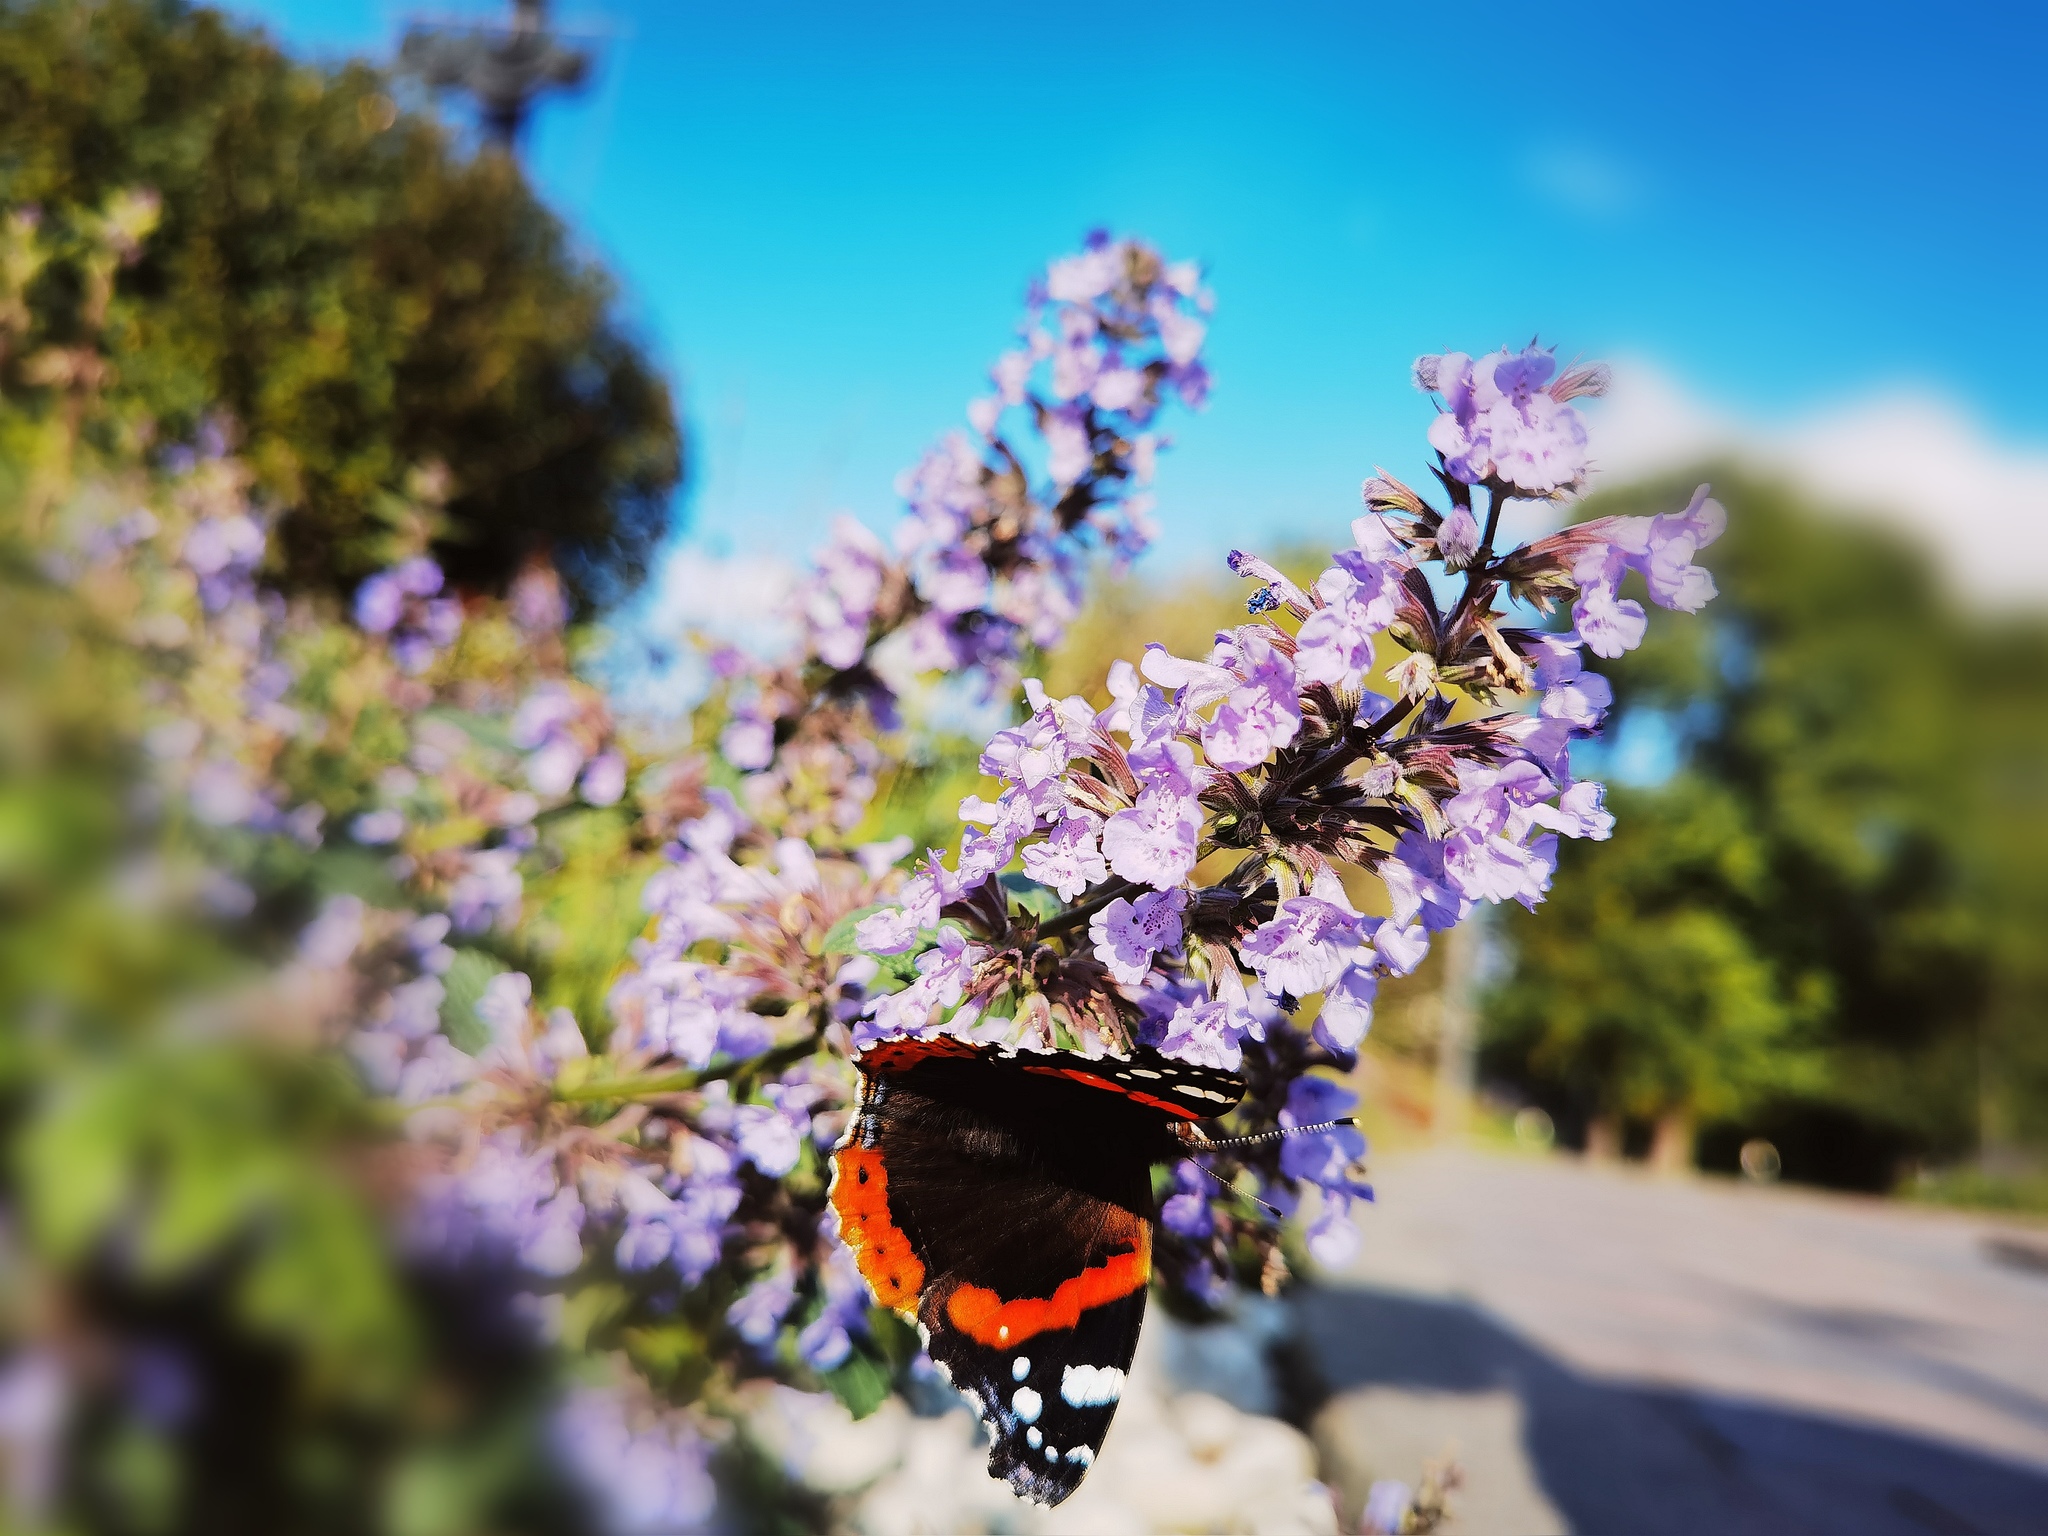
359	297
1823	926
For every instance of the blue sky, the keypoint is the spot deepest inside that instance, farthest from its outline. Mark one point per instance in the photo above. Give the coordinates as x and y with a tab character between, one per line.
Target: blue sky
824	215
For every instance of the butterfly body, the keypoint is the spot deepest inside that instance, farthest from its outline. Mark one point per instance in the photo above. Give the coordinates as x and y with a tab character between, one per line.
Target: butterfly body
1004	1203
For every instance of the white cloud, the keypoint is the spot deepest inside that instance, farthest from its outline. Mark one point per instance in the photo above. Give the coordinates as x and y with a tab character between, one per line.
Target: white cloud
1910	458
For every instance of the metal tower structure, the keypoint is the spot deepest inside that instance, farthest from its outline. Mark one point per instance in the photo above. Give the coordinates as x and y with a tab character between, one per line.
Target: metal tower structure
507	68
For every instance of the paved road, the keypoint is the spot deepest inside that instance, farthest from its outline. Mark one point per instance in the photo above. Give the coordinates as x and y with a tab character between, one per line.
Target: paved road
1615	1353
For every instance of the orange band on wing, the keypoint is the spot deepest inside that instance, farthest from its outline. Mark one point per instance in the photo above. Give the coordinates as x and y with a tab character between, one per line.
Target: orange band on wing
987	1319
860	1194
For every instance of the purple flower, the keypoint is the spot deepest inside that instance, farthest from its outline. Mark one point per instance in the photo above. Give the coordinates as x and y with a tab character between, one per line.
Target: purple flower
1332	1238
380	603
1670	543
1662	548
1187	1211
417	577
953	580
1207	1033
748	742
1068	451
758	1313
1386	1507
685	1005
895	929
1200	684
1490	868
771	1136
825	1342
1076	359
1322	1157
1304	947
1360	598
1153	843
840	598
400	603
1260	716
1127	934
1346	1014
1416	882
943	973
1162	761
488	891
1400	947
538	606
1581	811
1070	860
552	769
604	779
1457	538
376	828
1581	699
1499	421
649	1480
330	939
1610	624
1040	748
506	1203
687	1231
221	794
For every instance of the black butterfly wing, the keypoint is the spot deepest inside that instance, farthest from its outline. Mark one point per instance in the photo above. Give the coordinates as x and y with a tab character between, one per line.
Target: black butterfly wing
1005	1203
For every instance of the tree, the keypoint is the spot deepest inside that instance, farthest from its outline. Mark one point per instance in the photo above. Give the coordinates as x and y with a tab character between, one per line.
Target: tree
359	298
1812	930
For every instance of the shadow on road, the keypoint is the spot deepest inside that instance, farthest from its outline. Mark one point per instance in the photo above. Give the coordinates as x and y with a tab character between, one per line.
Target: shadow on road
1620	1459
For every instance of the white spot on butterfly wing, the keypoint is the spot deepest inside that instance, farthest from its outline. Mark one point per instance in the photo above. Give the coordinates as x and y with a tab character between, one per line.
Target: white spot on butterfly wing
1033	1438
1052	1453
1020	1368
1026	1403
1081	1456
1091	1386
1143	1072
1201	1093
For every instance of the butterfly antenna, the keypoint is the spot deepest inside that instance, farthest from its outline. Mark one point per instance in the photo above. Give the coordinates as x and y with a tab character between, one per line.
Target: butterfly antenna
1255	1200
1291	1130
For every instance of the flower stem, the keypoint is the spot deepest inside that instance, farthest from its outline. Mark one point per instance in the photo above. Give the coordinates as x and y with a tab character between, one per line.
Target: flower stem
1074	916
649	1085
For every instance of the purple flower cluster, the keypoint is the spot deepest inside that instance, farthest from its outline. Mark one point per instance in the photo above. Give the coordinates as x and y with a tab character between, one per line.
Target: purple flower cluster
648	1472
1507	420
224	553
989	558
562	729
505	1204
1327	1159
684	1224
1276	752
404	604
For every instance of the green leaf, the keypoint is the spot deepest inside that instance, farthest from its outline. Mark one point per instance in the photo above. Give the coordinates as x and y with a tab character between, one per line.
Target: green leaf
1040	901
840	941
345	871
862	1383
464	982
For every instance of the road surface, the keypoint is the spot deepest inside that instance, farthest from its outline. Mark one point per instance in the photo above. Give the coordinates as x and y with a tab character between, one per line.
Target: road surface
1605	1351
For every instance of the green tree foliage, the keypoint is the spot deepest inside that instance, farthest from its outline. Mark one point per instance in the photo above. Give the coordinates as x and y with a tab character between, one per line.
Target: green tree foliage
360	298
1815	929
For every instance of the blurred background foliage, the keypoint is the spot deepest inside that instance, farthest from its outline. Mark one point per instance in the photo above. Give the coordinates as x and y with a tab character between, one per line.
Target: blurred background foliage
360	299
1820	924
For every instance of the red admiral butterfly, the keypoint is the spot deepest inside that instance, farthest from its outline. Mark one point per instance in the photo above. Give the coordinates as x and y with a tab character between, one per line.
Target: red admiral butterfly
1004	1203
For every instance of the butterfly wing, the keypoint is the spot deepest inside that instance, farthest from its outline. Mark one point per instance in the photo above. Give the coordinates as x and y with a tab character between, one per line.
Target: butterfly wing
1010	1214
